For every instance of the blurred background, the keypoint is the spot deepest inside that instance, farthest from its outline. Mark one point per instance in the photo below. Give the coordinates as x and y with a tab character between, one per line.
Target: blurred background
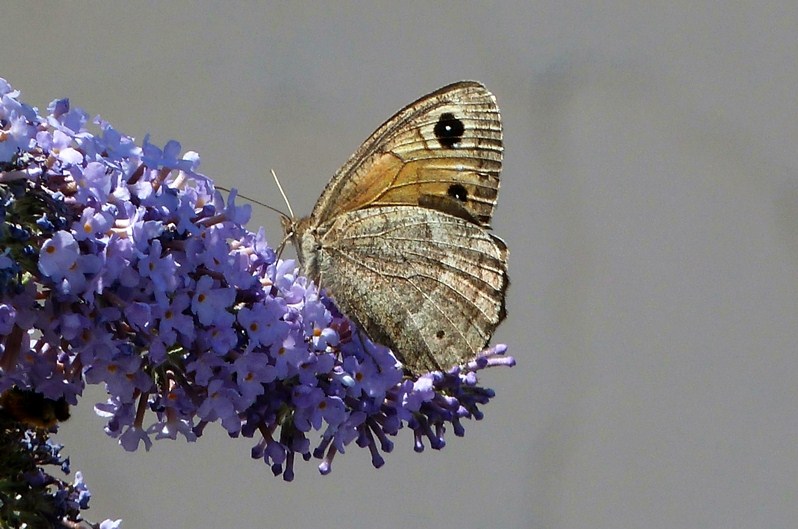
649	199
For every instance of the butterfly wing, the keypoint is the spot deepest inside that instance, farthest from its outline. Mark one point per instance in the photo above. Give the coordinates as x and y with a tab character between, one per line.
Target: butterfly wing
427	284
443	152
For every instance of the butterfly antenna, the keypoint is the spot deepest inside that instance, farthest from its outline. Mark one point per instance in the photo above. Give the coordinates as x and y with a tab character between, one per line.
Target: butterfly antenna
288	221
258	202
285	198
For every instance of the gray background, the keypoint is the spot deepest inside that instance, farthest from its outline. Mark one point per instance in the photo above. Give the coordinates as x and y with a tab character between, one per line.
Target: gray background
649	199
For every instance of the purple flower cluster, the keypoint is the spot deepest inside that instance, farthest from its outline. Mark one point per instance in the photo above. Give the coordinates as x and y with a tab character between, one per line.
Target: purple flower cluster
121	264
30	496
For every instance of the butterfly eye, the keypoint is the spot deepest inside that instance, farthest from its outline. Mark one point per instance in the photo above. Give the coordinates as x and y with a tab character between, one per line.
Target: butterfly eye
459	192
449	130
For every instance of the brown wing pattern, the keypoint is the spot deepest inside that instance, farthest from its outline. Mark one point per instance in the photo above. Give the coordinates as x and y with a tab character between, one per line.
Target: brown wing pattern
447	145
429	285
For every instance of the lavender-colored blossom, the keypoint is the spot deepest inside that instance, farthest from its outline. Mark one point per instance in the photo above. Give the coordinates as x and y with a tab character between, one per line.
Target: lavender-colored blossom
120	264
8	316
173	319
263	322
58	255
132	437
33	494
210	303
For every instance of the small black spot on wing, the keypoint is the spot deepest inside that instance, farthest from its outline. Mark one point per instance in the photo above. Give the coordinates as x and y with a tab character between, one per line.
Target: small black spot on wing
449	130
440	334
458	192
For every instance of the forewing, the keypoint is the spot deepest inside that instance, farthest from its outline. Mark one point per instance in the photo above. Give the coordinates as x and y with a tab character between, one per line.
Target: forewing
445	147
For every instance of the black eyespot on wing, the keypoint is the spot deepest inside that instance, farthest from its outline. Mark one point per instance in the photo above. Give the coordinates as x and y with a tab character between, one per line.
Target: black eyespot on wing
459	192
449	130
440	334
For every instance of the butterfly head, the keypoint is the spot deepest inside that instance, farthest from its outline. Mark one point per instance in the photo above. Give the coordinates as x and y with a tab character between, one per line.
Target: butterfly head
304	236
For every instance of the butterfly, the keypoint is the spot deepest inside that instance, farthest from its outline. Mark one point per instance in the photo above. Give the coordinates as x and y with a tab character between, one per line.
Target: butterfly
400	236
